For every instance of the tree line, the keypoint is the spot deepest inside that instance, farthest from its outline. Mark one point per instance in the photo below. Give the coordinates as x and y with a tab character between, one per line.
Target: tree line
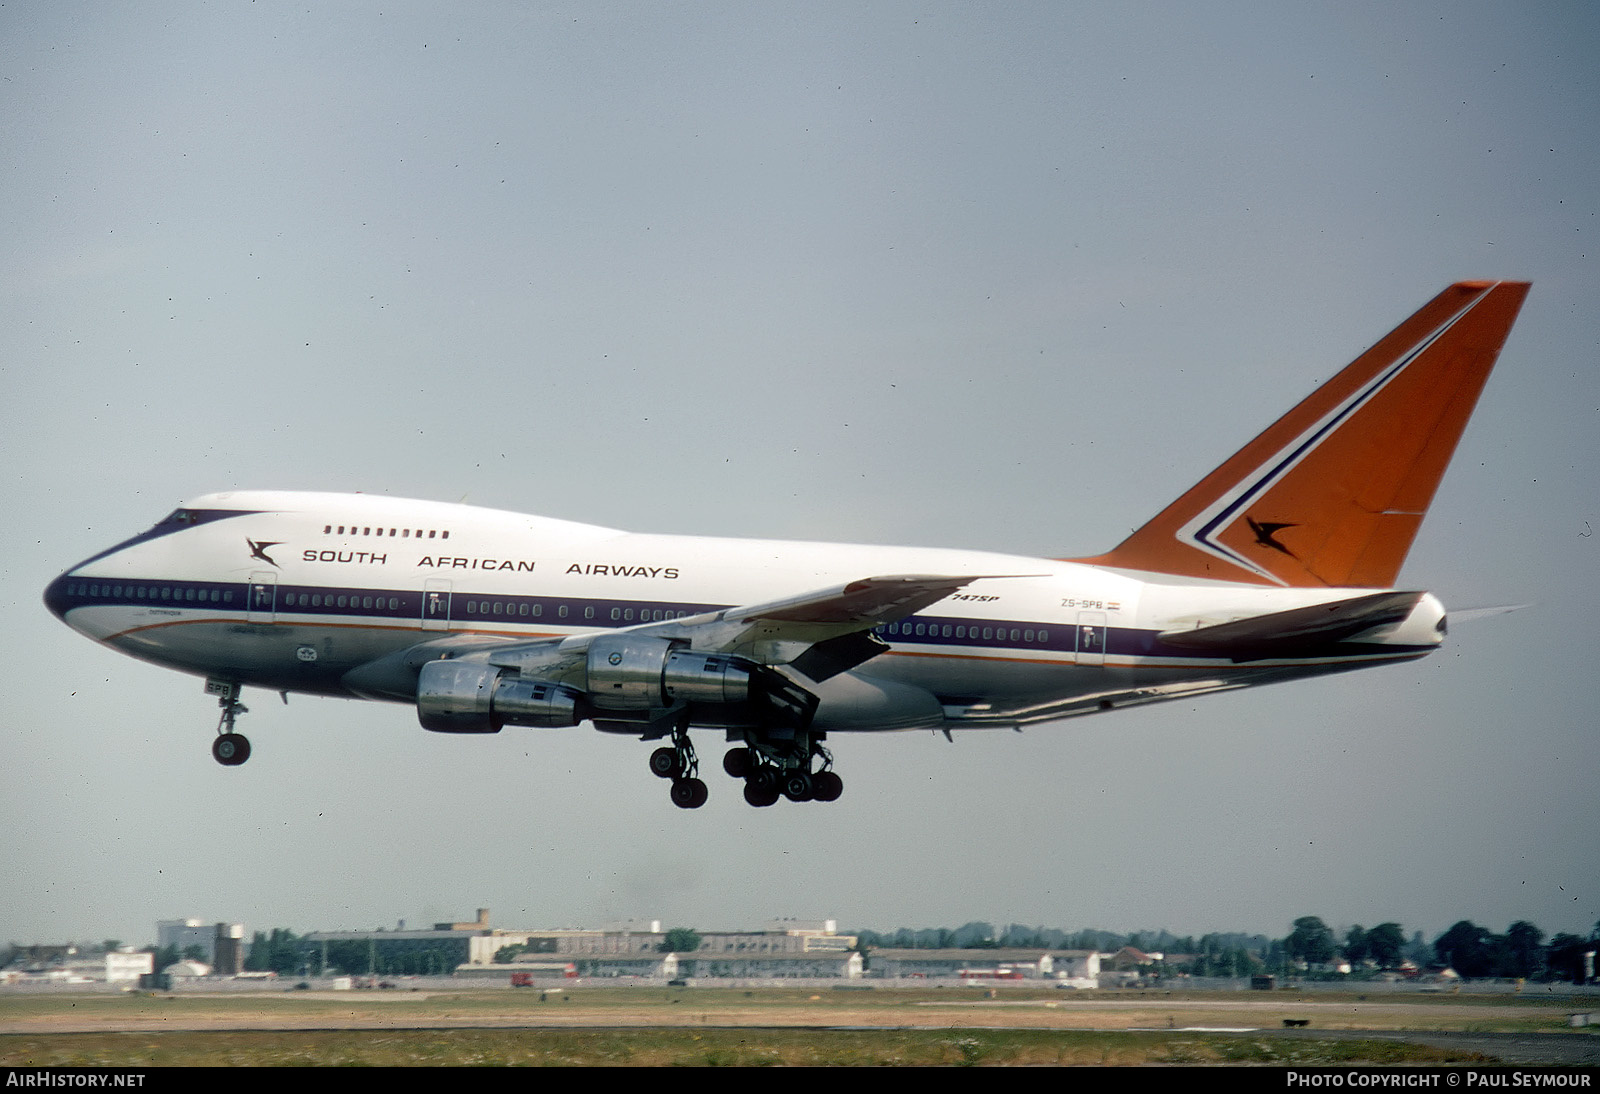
1523	951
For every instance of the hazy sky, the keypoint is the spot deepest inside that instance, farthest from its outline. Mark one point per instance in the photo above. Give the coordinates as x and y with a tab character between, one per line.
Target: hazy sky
1004	276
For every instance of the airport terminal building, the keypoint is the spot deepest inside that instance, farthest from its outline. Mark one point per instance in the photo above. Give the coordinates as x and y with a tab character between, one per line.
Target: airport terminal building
1074	968
785	950
788	949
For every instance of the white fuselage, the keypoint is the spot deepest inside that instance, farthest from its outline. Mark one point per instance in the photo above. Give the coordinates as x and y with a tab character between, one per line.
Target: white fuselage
295	591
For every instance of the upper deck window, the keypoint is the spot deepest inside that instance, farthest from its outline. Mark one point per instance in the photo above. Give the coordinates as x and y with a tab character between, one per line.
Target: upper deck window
353	529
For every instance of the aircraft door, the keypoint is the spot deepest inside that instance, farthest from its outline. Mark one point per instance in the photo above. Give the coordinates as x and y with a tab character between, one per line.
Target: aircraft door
263	594
1091	638
436	604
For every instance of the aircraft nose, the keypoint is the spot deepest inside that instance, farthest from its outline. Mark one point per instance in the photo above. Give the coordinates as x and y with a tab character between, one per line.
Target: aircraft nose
55	596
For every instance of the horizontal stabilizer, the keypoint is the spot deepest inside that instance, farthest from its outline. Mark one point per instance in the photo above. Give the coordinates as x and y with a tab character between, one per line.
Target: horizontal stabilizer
1472	615
1284	632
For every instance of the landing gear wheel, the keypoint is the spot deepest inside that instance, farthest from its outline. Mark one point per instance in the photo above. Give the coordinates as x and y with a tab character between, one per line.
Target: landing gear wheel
798	787
795	766
826	786
664	763
758	796
231	749
737	762
689	793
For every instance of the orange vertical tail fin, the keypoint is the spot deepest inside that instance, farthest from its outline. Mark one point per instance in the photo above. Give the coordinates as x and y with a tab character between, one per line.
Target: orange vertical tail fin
1332	494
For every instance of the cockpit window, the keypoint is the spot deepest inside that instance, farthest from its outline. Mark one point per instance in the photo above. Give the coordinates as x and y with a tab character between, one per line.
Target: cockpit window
180	519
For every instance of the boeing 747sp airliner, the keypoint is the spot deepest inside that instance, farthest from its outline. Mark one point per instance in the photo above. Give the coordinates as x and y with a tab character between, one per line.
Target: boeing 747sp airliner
1280	564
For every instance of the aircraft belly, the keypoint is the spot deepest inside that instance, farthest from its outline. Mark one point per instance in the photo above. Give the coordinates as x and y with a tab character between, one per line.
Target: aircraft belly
280	656
987	693
985	678
854	702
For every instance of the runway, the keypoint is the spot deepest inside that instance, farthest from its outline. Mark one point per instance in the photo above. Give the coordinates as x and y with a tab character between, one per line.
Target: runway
1477	1029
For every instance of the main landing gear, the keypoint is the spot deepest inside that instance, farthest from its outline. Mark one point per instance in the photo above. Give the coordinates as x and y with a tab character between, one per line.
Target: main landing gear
772	768
230	749
679	763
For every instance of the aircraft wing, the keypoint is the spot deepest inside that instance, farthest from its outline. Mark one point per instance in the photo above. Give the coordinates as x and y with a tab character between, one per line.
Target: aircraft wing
825	633
822	633
833	622
868	602
1284	633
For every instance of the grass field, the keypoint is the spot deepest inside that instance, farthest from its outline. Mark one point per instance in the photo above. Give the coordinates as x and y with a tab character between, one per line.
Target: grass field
722	1026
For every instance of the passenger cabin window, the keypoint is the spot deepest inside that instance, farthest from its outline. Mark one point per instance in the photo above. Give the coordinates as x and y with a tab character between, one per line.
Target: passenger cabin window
357	529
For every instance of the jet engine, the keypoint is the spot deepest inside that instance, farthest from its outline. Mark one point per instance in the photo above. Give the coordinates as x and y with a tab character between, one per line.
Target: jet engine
625	672
472	697
638	672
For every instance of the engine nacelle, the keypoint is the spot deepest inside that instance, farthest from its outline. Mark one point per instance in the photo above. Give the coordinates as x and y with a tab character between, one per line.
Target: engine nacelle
638	672
472	697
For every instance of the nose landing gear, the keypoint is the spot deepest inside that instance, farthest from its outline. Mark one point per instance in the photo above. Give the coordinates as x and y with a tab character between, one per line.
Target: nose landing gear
230	749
